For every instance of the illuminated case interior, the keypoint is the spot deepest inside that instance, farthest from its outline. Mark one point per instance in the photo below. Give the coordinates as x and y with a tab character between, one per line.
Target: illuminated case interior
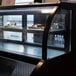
22	28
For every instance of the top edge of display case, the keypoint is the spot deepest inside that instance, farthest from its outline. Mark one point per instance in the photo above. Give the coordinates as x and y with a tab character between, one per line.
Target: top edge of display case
68	5
71	5
30	5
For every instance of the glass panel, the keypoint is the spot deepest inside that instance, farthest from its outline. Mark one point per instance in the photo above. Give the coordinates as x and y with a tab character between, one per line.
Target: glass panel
12	21
30	20
56	40
51	53
60	22
35	25
25	50
12	35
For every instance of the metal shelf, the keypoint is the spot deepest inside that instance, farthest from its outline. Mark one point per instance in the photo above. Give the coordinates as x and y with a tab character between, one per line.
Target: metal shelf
15	29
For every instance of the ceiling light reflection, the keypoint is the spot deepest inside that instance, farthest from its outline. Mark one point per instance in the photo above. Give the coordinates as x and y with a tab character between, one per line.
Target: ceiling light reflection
51	11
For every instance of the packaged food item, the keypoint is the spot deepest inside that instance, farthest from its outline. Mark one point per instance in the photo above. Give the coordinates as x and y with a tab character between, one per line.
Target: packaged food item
37	26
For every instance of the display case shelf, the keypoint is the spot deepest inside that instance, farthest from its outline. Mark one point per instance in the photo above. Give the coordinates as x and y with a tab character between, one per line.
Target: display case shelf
18	29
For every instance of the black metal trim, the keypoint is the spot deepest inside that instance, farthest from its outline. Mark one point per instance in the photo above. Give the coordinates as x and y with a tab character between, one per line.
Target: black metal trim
68	5
15	56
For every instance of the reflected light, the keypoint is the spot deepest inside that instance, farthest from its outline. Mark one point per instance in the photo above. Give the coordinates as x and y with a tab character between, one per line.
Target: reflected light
21	49
51	11
40	64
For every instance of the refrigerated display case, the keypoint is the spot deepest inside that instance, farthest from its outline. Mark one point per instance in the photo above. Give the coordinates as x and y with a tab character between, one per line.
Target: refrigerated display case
35	31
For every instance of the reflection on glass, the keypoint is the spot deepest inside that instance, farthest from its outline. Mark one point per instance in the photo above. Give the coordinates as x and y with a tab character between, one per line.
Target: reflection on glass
56	40
51	11
58	21
51	53
38	38
30	22
35	23
12	21
13	35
